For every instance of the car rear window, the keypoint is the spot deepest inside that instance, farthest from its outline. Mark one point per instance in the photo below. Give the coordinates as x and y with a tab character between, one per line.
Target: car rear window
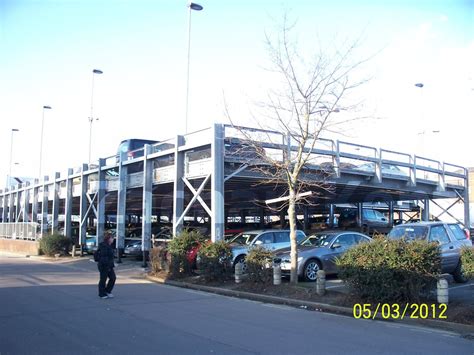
457	231
408	232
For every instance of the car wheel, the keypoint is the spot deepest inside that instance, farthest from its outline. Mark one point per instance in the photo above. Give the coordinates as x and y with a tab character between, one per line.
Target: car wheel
459	275
311	269
241	260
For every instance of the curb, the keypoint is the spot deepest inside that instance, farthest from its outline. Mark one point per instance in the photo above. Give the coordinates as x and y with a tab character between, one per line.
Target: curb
465	330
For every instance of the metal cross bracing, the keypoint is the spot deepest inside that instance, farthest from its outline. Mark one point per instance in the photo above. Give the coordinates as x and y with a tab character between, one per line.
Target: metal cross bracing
211	175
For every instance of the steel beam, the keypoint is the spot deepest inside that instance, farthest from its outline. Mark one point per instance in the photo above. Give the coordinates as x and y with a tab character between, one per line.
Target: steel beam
217	183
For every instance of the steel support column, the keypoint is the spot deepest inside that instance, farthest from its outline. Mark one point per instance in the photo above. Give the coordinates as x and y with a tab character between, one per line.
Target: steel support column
121	204
467	217
178	188
360	207
2	205
55	211
83	208
44	206
426	210
34	206
282	218
101	202
147	202
26	202
11	208
18	203
217	183
5	206
390	213
306	223
68	206
331	216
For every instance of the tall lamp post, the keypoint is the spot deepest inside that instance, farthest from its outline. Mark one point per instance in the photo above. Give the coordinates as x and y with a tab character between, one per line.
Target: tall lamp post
11	156
91	117
41	143
195	7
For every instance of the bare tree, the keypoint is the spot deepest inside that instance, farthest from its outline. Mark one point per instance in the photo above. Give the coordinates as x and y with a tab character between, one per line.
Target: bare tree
311	100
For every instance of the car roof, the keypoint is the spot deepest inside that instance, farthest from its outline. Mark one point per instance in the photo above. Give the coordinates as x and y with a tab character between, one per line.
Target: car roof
258	231
423	224
334	232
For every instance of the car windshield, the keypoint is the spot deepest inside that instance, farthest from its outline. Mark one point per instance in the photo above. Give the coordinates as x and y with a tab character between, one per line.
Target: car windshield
318	240
244	238
408	232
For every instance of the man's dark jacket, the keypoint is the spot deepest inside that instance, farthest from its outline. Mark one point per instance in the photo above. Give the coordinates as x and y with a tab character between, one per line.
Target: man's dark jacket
106	255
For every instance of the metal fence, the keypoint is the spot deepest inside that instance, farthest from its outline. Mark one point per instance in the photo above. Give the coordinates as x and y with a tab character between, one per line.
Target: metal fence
24	231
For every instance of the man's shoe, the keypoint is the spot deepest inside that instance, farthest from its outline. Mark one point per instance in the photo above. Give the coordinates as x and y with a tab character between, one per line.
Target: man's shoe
104	297
109	295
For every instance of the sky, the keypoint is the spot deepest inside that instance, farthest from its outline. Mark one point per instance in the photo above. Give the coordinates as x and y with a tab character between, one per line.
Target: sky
48	49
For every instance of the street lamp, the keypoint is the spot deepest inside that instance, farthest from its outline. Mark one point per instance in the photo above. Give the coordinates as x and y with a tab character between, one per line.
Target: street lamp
91	117
41	144
11	155
195	7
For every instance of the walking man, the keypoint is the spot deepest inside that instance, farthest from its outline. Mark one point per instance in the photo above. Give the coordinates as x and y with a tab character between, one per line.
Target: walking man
105	256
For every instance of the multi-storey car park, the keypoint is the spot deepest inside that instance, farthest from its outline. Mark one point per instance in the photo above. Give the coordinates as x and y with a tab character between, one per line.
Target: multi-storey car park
210	175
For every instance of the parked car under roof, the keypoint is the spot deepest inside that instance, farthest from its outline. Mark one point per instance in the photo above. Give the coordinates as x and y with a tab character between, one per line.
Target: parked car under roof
270	239
450	237
319	252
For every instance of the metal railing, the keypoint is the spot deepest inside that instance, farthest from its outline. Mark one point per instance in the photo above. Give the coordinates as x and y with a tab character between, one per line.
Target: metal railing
21	230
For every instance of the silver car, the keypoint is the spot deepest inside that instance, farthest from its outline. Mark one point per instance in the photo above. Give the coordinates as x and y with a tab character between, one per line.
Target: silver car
319	252
270	239
451	239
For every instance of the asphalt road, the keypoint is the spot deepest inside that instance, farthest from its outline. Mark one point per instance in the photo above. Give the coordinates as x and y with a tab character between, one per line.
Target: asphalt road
53	308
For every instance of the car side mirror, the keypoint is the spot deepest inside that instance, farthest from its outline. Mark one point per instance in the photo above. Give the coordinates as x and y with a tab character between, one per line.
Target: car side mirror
336	245
384	219
258	242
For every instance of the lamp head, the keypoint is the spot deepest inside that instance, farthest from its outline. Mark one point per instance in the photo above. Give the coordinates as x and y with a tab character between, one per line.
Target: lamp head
195	7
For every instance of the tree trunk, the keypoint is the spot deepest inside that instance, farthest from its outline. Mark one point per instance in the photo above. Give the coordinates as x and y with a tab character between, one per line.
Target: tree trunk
294	250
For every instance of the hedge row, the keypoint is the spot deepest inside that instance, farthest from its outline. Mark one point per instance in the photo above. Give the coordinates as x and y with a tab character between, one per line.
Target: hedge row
391	270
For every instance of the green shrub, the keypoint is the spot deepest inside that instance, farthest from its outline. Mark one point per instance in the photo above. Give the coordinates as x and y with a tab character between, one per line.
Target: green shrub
159	259
259	265
215	261
52	244
467	261
178	248
391	270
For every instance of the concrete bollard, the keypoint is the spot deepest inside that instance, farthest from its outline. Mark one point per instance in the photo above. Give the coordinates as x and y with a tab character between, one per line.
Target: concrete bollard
321	283
442	291
238	273
276	274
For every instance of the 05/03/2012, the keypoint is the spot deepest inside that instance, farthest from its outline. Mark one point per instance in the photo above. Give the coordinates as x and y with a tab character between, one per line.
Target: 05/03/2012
397	311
